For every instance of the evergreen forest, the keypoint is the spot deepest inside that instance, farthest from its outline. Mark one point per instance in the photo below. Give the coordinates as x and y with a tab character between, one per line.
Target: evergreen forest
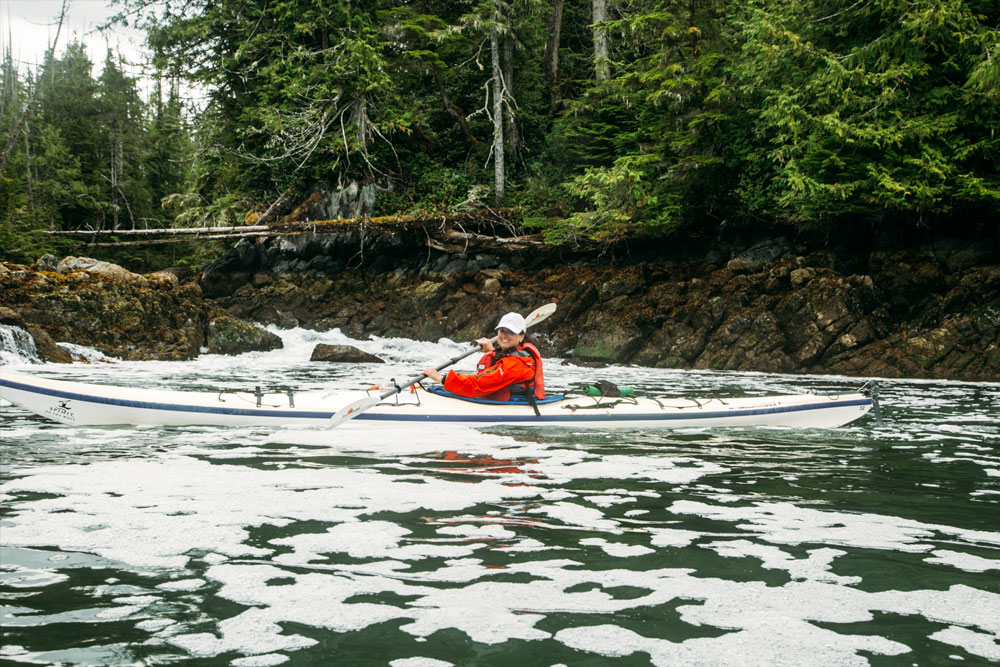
595	120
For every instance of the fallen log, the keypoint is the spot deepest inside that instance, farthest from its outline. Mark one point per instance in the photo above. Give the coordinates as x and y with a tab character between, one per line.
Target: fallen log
165	231
479	217
445	233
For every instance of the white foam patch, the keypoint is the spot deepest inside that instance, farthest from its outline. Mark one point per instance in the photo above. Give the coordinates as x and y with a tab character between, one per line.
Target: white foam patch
87	354
140	600
530	544
22	577
154	624
153	513
512	610
815	567
182	585
774	623
118	613
784	614
777	645
492	532
368	539
617	549
608	500
260	660
785	523
672	537
578	516
560	466
251	632
963	561
976	643
419	662
317	600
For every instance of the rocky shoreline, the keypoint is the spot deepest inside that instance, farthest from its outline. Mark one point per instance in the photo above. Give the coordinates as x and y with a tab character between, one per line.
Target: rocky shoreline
927	312
124	315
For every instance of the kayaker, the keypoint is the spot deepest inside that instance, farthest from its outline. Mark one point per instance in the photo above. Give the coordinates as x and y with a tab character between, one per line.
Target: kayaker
514	363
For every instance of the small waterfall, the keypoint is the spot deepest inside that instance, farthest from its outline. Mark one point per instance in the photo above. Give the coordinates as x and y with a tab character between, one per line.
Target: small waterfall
17	346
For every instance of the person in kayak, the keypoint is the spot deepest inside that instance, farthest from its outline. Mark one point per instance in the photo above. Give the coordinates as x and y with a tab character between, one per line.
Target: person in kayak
514	363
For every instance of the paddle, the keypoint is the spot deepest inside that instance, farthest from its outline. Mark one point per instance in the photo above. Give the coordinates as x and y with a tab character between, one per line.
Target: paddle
357	407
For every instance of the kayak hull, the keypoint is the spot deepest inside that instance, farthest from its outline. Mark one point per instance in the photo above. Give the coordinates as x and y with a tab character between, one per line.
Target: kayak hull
86	404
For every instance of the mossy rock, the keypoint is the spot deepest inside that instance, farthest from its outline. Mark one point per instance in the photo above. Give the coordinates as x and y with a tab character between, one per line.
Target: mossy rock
228	335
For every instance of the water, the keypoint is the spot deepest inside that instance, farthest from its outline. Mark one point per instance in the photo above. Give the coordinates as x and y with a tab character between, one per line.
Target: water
441	546
17	346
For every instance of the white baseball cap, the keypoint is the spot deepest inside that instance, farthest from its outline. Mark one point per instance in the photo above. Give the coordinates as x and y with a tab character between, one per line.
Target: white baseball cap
512	321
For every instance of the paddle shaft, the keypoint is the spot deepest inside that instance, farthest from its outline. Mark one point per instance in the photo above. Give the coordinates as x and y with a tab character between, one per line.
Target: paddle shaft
534	318
417	378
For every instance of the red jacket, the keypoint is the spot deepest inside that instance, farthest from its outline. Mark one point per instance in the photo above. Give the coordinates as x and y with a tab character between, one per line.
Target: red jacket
497	373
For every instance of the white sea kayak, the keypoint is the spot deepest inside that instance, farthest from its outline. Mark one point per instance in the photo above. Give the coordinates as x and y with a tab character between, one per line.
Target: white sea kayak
86	404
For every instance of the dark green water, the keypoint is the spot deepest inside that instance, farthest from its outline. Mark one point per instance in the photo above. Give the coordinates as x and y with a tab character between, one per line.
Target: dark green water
361	546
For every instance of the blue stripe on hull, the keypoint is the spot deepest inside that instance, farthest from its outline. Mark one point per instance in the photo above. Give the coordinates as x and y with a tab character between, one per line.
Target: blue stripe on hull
170	407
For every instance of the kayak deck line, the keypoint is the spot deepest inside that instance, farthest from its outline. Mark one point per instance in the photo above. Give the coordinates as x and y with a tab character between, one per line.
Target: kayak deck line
81	403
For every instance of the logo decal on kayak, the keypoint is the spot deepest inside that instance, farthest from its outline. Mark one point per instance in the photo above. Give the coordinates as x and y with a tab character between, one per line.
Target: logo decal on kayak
62	411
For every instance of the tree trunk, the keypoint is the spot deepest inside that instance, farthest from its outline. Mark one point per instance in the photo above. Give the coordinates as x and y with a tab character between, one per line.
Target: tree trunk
510	126
602	68
274	210
452	109
498	161
115	169
550	59
27	174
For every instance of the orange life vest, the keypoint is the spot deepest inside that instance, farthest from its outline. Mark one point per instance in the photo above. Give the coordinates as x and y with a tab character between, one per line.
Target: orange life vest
537	384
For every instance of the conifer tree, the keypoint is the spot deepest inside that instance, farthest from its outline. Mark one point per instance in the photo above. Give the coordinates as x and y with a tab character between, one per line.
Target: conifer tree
124	144
69	116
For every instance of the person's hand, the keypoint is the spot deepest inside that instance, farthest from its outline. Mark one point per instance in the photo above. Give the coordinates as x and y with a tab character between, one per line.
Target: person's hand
433	374
485	344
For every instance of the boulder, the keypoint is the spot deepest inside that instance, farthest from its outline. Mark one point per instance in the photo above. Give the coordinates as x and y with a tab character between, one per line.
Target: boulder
743	265
225	334
47	263
89	265
113	310
343	354
609	335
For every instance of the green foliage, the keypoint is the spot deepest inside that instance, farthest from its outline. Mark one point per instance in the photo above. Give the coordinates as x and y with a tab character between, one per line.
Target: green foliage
800	113
884	107
441	190
619	196
299	88
169	155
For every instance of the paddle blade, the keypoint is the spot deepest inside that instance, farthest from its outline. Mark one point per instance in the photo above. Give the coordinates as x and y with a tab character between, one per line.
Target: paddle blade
539	314
352	410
